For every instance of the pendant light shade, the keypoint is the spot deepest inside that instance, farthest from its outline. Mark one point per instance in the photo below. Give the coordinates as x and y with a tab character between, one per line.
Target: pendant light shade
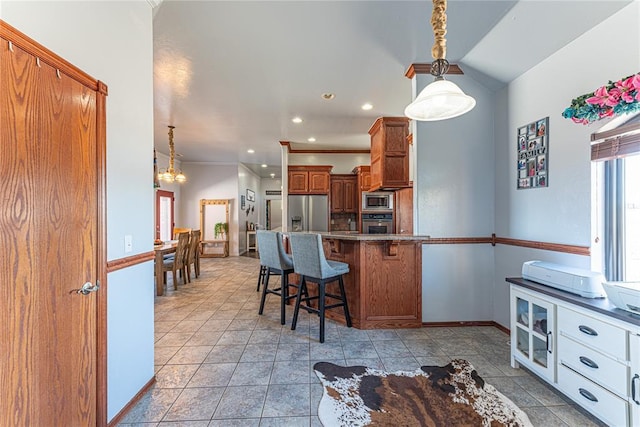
440	100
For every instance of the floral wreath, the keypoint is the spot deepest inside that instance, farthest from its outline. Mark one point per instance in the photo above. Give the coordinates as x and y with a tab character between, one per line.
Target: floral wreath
613	99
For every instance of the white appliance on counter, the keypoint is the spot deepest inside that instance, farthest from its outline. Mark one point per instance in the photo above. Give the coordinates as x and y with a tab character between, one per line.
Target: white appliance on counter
624	295
308	213
585	283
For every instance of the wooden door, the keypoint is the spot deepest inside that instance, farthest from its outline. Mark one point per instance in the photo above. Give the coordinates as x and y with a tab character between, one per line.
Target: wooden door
350	195
319	182
337	195
51	236
298	182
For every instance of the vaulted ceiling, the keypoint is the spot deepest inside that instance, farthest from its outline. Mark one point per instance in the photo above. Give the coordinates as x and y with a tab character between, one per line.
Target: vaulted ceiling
231	75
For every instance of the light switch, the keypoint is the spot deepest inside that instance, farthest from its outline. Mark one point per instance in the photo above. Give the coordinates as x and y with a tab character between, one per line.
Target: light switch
128	243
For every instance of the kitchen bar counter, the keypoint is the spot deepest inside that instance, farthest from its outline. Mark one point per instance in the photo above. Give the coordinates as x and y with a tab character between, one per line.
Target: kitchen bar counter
355	236
384	283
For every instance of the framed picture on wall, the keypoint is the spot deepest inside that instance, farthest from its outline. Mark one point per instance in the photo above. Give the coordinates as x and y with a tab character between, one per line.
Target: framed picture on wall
532	148
251	196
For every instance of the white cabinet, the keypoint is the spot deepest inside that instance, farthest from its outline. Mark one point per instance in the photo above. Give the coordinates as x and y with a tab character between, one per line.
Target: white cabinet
594	364
532	337
590	356
634	377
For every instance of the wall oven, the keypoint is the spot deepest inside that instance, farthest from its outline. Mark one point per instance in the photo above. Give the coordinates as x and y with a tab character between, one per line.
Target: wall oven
377	223
377	201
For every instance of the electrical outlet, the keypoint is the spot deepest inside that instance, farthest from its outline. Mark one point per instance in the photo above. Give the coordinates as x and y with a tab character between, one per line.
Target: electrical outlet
128	243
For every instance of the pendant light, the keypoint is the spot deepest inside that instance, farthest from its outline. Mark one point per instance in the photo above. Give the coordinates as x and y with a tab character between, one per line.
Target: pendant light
441	99
170	174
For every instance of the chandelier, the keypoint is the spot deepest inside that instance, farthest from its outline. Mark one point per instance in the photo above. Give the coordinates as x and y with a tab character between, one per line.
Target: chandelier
441	99
170	174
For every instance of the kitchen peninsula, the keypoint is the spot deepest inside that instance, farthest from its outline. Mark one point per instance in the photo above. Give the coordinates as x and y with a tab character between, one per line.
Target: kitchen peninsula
384	284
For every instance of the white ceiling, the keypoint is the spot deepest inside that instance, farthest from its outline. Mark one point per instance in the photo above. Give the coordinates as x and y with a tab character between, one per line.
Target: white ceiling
230	75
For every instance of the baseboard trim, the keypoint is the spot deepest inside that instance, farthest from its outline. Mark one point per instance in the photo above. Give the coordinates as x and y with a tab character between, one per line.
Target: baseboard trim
120	415
467	323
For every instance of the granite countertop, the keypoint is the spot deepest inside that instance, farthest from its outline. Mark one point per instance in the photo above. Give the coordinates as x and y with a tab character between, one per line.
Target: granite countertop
355	236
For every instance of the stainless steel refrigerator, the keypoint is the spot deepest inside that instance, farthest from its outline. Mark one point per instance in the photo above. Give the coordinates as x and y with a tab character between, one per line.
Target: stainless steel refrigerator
308	213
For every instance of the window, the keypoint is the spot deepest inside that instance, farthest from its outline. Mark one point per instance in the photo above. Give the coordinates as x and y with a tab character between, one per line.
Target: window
621	203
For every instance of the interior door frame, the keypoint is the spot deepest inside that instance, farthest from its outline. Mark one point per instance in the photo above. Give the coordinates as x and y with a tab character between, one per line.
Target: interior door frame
159	194
45	55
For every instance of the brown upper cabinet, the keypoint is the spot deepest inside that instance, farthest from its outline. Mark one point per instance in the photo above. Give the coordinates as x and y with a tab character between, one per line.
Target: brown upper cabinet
344	197
389	153
309	179
364	177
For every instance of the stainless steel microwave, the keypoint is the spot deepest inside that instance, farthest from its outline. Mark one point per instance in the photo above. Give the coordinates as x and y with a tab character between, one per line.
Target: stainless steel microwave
377	201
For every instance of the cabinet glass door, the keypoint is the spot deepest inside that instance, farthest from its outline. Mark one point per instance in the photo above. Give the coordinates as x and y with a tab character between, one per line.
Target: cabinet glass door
532	340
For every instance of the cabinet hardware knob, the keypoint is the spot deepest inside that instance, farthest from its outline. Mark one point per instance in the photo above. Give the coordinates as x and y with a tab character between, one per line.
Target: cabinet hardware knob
590	363
587	330
587	395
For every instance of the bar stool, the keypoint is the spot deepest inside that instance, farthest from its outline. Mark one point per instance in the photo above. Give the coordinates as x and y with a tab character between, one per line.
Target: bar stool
275	260
311	264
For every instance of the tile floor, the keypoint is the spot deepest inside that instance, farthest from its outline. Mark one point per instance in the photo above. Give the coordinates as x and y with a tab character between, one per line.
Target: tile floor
218	363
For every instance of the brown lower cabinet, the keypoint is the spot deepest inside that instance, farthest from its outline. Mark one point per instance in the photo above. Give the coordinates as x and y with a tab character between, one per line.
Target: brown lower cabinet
384	283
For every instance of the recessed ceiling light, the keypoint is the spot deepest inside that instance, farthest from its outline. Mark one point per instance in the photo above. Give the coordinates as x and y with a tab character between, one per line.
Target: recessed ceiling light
296	120
264	166
367	106
251	151
311	139
328	96
273	175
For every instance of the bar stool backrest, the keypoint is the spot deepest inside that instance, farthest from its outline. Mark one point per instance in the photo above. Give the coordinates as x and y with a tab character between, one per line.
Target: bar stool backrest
308	256
268	248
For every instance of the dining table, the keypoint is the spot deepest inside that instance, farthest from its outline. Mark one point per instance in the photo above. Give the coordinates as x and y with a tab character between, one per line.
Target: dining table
165	248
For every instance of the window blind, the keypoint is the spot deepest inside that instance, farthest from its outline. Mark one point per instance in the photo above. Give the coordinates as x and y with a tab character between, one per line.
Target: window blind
616	143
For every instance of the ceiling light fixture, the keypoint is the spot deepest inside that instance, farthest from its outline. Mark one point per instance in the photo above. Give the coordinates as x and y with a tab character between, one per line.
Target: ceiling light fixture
272	175
264	165
441	99
328	96
170	174
251	151
311	139
296	120
367	106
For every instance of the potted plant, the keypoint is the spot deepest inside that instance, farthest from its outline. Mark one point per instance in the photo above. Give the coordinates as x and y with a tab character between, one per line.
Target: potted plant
220	229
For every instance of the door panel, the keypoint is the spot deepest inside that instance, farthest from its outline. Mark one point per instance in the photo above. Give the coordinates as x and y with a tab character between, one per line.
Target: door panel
49	238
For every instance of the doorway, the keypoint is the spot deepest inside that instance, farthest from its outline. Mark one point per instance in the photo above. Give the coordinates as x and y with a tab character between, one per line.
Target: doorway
164	215
273	214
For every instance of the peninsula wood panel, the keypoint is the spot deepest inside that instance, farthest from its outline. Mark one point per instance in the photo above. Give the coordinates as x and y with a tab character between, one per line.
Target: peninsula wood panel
384	283
52	237
391	288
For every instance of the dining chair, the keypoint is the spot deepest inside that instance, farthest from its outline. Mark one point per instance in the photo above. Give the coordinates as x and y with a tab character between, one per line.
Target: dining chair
193	255
178	230
311	264
177	263
275	261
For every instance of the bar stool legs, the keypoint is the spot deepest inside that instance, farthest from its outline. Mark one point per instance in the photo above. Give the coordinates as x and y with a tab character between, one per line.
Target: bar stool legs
261	275
282	291
322	307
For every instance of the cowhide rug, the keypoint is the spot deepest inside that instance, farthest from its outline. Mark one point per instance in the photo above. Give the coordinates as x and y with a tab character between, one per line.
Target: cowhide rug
451	395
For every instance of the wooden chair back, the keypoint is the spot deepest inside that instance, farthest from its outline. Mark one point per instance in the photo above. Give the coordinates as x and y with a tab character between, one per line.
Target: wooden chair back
178	230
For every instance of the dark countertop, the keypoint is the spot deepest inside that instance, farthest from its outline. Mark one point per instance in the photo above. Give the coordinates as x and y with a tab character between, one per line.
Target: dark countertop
599	305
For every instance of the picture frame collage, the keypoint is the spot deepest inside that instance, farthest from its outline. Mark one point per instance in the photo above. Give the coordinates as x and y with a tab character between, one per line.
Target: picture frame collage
533	155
